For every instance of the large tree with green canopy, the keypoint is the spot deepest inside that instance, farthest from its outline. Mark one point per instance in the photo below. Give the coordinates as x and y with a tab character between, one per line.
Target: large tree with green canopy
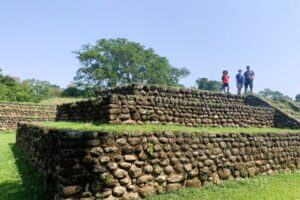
118	61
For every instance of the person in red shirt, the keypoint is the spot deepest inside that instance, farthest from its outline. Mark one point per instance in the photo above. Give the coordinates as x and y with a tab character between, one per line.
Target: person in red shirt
225	81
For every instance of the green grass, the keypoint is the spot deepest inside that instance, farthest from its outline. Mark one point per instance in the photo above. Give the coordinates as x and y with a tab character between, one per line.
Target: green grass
284	186
159	127
18	181
286	106
59	100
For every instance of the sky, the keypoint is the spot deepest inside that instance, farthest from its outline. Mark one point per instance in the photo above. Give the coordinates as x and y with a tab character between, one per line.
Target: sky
206	36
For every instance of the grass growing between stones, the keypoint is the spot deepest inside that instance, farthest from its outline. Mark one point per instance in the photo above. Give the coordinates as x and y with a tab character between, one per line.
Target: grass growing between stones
277	187
18	181
160	127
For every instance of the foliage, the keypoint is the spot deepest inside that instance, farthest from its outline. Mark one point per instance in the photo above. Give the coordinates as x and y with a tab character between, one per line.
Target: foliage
149	149
118	61
210	85
74	91
13	89
159	127
297	98
40	90
275	95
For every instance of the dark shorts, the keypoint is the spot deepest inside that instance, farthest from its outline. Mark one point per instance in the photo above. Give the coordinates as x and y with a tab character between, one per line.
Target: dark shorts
225	85
248	83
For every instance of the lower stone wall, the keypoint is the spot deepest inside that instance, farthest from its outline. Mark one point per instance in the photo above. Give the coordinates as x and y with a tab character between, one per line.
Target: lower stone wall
13	113
106	165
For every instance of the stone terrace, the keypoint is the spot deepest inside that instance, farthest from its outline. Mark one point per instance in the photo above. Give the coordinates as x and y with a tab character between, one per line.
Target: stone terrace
155	104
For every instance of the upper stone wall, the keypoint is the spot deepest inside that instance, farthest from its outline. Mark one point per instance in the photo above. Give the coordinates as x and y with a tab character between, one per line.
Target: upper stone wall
13	113
157	104
173	92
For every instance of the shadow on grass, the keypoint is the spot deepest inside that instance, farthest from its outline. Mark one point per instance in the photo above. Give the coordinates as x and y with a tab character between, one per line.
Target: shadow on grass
31	185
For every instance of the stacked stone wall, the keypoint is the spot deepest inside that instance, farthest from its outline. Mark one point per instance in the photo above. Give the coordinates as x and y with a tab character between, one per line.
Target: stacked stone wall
281	118
192	112
13	113
157	104
106	165
89	110
174	93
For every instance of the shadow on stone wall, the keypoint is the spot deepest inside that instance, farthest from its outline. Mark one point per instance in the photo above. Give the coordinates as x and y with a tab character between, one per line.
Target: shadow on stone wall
31	185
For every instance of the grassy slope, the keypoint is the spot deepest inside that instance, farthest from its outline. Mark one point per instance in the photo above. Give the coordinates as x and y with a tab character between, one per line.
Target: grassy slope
286	106
159	127
59	100
278	187
17	180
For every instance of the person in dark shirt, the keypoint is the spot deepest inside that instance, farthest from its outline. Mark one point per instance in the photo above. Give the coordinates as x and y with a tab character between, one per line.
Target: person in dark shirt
239	81
249	77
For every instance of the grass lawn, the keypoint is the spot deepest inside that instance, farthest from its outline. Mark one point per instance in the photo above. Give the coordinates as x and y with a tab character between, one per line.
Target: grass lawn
277	187
59	100
160	127
19	182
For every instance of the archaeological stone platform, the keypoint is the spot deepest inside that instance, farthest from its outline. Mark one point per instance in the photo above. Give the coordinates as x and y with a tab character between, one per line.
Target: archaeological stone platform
13	113
91	165
156	104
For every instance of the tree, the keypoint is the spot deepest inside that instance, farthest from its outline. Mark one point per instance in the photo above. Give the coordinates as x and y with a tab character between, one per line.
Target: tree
275	95
41	89
118	61
12	90
73	91
210	85
297	97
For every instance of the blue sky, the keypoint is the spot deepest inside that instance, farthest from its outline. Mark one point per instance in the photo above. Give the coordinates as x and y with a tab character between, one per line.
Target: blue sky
37	37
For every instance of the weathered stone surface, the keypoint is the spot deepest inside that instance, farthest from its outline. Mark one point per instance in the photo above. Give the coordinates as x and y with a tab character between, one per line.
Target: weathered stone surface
70	190
169	169
173	187
135	172
147	191
125	165
104	159
119	191
148	169
193	183
130	158
120	173
125	181
224	173
131	196
175	178
251	171
112	166
161	179
144	179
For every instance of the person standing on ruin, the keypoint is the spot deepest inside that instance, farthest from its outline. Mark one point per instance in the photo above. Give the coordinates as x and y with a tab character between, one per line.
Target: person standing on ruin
239	81
225	81
249	77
